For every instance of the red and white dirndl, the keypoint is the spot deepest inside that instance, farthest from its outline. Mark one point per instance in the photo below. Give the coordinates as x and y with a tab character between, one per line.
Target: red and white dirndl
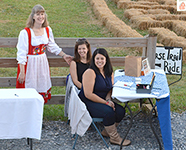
37	69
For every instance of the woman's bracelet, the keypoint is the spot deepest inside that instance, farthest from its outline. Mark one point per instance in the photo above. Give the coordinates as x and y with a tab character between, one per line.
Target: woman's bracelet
107	102
63	55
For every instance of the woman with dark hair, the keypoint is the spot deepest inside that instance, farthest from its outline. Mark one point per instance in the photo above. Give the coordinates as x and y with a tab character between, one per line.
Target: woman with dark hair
81	61
33	68
96	93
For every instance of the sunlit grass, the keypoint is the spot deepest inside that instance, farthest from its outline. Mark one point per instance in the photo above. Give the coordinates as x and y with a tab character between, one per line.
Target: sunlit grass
72	18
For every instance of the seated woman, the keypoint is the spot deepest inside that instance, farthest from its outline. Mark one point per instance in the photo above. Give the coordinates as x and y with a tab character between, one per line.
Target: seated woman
81	61
96	94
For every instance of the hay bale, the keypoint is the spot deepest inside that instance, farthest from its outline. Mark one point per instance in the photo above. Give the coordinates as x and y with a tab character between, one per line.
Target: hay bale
115	1
158	11
167	24
133	12
145	22
136	6
113	23
170	8
179	27
167	2
182	17
126	3
168	38
170	2
167	17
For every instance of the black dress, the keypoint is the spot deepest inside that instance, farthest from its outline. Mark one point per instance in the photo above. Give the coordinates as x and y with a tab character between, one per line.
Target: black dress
81	67
98	110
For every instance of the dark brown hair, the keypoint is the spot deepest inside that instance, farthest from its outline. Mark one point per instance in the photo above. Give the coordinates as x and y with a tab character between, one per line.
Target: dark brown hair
76	54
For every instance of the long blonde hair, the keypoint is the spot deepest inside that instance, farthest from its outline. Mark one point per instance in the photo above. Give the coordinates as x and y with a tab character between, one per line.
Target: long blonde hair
36	9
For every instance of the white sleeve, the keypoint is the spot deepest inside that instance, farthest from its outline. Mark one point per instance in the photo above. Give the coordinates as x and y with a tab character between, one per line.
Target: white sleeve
22	47
52	46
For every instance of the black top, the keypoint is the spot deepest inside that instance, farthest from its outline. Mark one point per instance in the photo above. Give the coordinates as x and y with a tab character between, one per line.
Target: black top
81	67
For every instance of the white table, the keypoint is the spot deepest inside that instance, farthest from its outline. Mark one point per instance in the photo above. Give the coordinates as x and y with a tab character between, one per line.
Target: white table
21	113
159	91
129	94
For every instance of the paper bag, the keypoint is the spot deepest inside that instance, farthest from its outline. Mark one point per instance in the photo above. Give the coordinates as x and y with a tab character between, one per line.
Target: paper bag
133	66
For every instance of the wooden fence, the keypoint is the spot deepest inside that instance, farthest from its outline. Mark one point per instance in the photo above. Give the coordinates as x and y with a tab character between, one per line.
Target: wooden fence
148	44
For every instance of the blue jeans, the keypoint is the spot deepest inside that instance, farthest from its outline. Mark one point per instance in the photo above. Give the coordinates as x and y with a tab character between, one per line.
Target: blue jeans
98	110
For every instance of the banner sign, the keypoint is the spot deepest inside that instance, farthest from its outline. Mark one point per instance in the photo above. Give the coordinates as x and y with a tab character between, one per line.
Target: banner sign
169	59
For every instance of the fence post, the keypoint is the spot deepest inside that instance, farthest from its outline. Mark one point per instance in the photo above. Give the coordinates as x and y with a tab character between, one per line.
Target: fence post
151	50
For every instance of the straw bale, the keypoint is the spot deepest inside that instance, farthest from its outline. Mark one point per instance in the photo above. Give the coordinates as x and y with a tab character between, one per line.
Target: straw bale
133	12
125	4
120	29
115	1
170	2
170	17
157	11
139	6
167	17
167	2
181	12
178	42
98	3
144	22
168	38
182	17
158	1
170	8
179	27
167	24
113	23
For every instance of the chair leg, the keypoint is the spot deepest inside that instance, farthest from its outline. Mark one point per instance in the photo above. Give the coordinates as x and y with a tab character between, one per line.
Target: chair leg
75	141
100	134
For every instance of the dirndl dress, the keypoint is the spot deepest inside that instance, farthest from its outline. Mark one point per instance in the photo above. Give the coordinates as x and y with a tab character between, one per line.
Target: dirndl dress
36	68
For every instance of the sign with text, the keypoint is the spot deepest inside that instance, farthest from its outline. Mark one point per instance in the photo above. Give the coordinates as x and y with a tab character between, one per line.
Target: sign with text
169	59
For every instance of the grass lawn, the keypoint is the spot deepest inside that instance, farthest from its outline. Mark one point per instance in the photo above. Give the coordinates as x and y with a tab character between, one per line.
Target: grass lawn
70	18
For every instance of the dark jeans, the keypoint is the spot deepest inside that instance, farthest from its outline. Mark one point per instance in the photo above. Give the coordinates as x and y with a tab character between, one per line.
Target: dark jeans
98	110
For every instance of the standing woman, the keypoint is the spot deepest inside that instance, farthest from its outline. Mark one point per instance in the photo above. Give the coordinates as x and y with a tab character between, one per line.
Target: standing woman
81	61
96	93
33	67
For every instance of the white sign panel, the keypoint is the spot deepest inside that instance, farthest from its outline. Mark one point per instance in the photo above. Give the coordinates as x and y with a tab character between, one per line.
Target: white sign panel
169	59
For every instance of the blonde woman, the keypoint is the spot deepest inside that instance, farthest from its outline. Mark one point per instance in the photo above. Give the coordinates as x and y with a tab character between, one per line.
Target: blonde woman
33	67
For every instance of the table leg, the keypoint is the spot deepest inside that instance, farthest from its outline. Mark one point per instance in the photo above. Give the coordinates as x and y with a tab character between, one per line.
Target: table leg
29	142
150	121
131	121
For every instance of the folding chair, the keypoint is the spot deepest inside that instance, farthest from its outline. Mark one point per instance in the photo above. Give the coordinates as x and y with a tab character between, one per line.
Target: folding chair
74	102
94	120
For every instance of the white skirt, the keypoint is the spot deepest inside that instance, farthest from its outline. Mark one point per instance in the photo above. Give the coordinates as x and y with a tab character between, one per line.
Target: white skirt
38	73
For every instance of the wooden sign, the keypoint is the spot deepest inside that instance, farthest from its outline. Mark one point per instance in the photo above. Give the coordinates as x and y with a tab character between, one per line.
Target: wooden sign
169	59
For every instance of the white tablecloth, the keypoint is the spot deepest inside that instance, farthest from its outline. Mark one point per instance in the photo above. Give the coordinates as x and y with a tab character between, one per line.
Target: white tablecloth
129	93
21	113
160	91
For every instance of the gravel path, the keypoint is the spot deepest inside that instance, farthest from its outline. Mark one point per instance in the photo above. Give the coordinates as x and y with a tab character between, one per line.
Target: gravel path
56	136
